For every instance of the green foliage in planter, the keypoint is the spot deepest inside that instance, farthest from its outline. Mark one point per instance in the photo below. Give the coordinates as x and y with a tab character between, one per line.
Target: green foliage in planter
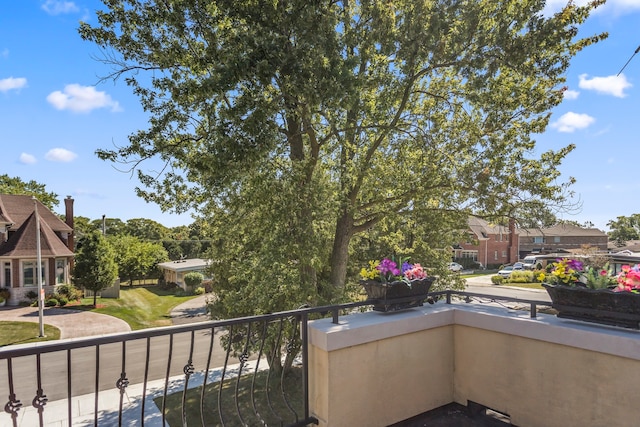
497	279
5	293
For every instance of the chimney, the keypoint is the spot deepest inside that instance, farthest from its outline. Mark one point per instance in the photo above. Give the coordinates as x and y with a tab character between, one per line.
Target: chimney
68	219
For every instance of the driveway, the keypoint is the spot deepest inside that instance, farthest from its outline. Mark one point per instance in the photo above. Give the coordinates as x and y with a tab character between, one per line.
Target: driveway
72	323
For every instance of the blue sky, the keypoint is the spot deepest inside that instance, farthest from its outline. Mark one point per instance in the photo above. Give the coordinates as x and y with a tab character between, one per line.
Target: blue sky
55	113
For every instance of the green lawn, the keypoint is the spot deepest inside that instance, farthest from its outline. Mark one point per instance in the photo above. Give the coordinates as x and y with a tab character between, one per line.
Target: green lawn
268	407
25	332
140	306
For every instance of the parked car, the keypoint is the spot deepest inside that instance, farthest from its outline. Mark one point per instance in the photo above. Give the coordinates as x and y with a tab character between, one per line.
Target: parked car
531	263
506	271
454	266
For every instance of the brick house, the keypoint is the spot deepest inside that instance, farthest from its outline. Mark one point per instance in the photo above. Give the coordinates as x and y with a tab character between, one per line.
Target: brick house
489	244
19	220
561	238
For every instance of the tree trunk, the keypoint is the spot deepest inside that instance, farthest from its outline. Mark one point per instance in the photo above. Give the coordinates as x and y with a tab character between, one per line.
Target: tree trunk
340	253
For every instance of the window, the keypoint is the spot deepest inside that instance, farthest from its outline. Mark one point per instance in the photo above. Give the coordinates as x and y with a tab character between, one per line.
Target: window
7	274
504	254
29	273
60	264
538	239
495	255
556	239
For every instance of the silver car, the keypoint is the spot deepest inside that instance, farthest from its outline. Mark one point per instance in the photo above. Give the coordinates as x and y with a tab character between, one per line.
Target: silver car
506	271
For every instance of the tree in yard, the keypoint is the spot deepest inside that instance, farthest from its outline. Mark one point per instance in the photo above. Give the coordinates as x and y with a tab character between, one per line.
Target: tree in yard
193	279
624	228
304	133
146	229
137	259
95	267
16	185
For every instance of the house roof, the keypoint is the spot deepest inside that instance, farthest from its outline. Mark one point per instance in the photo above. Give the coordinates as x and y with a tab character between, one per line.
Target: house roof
562	230
16	209
23	242
185	264
483	229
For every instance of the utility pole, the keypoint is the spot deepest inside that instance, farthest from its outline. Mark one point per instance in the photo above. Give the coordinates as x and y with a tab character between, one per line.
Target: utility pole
39	268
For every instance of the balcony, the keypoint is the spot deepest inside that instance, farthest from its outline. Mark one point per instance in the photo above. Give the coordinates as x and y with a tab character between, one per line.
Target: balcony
361	369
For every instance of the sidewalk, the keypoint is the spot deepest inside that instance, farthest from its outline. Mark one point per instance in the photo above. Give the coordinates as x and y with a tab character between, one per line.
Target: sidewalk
82	407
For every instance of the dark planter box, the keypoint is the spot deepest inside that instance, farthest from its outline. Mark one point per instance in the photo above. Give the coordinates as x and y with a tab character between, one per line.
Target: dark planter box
397	295
596	305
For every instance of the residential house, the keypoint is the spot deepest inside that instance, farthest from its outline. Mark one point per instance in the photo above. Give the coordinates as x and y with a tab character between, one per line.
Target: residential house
489	244
561	238
174	271
20	218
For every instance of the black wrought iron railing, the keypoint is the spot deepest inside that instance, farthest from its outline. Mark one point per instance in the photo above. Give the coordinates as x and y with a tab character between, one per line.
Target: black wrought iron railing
246	371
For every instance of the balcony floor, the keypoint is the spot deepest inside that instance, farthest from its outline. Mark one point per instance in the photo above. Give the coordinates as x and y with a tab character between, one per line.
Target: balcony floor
455	415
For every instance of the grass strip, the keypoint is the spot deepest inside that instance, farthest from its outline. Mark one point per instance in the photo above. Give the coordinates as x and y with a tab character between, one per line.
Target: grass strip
274	411
25	332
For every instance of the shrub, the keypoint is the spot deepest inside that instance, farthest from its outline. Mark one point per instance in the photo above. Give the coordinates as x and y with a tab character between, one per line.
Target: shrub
32	295
50	302
62	300
69	292
199	290
193	279
521	277
5	293
497	279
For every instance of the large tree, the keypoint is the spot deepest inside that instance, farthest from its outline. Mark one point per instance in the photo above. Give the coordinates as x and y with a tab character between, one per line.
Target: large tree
95	267
295	126
137	259
624	228
15	185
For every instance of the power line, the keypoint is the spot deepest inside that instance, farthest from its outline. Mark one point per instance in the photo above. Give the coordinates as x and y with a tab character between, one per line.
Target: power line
634	54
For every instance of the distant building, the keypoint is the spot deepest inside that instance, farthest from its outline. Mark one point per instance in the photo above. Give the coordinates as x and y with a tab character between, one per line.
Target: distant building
18	245
174	271
561	238
488	244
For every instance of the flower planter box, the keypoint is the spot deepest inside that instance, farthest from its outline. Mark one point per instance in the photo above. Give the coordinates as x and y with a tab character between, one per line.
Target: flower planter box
397	295
596	305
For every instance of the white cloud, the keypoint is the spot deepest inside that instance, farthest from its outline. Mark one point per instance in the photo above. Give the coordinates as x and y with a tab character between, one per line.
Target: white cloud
81	99
27	159
56	7
12	83
60	155
610	85
569	122
616	7
5	53
571	94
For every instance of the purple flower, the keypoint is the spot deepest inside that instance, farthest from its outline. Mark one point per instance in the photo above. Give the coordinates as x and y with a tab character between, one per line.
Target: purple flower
387	266
406	266
575	265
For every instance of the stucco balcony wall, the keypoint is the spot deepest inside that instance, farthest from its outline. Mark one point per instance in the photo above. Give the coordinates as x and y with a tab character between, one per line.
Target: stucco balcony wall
376	369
